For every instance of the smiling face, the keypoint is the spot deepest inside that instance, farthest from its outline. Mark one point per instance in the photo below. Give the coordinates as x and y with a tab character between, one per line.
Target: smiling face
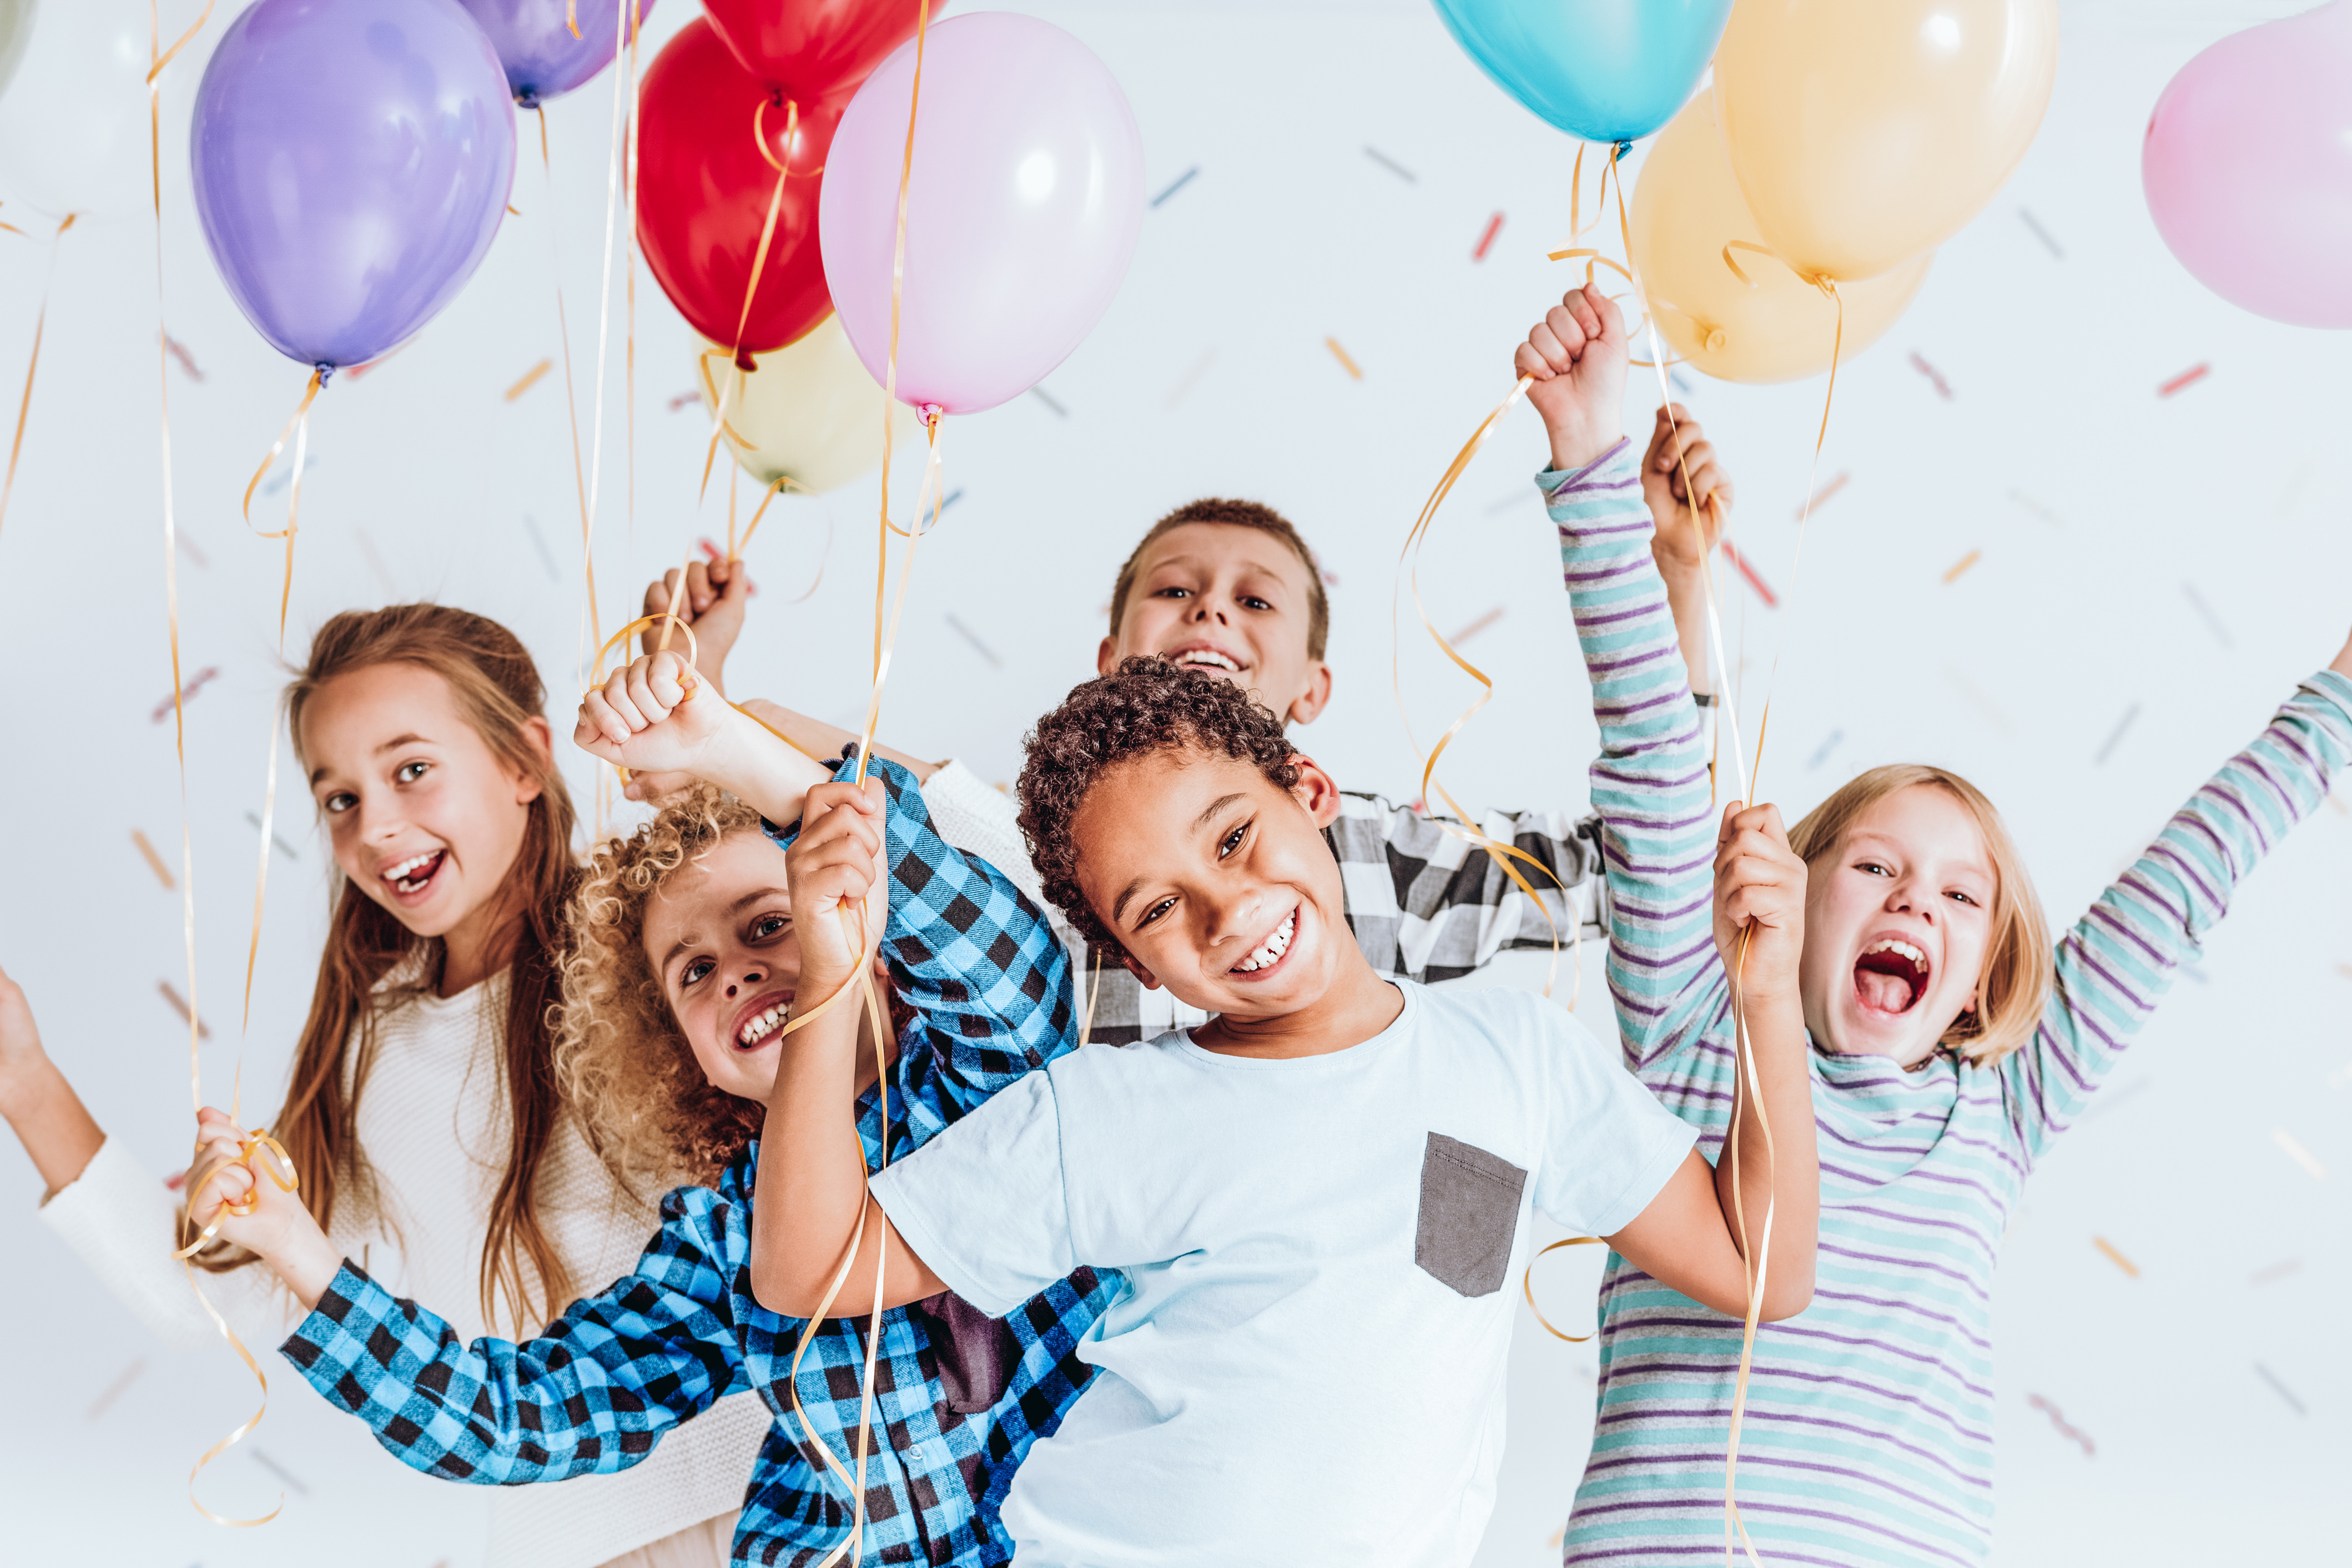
1898	917
719	935
423	817
1218	881
1230	602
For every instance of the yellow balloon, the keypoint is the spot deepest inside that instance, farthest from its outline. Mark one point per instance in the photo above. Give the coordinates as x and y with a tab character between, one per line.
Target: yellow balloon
1775	327
810	413
1867	131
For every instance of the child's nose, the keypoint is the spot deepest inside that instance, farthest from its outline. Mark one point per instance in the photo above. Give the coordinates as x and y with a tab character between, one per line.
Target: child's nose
750	977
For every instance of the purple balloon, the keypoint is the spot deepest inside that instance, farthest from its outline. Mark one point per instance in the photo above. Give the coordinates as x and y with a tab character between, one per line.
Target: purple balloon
353	160
534	41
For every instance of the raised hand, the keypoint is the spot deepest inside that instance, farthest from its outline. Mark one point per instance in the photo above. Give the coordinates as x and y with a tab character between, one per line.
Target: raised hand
835	871
1576	355
647	717
713	604
1759	890
1684	538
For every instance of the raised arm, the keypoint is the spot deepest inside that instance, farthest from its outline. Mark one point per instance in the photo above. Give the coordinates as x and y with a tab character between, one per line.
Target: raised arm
1650	783
2121	958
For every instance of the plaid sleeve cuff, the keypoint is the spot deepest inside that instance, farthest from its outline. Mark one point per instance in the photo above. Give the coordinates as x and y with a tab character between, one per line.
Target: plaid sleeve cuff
355	1341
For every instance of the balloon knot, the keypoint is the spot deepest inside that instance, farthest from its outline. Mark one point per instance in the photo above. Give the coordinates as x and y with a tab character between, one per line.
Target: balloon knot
1623	147
526	100
325	370
744	362
930	412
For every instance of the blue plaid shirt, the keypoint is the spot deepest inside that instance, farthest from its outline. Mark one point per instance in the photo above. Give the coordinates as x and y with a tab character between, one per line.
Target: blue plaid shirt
957	1398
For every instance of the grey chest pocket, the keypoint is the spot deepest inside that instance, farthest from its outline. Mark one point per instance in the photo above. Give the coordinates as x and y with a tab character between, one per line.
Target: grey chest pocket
1469	1216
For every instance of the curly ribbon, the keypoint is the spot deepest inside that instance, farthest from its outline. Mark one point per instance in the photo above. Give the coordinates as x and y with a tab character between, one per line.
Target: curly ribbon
783	166
1527	1284
624	82
1464	827
40	326
629	176
571	397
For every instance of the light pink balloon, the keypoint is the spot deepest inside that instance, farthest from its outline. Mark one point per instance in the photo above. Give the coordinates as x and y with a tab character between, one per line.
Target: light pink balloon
2247	168
1022	214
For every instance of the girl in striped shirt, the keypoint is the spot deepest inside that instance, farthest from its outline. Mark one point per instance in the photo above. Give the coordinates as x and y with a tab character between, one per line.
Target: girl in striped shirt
1952	1043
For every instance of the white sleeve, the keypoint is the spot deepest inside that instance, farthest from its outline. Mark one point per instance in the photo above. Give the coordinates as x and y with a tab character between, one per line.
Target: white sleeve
983	1204
120	1219
1610	1148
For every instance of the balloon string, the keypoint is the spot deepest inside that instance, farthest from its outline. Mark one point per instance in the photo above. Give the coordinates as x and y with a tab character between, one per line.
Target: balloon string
636	107
571	399
736	546
1463	828
281	1171
759	264
24	405
621	81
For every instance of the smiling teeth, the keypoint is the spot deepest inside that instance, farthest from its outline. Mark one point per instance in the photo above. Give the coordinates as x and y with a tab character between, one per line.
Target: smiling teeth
409	867
761	1025
1904	949
1210	657
1275	947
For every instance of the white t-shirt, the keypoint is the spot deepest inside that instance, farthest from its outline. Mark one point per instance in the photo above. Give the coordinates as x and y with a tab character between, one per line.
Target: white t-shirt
1307	1364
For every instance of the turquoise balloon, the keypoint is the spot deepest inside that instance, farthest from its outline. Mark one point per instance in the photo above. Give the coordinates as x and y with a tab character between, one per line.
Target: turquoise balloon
1601	70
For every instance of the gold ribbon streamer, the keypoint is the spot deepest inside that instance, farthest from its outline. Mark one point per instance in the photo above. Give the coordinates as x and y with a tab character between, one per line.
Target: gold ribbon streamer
40	326
1528	1285
759	264
629	179
571	397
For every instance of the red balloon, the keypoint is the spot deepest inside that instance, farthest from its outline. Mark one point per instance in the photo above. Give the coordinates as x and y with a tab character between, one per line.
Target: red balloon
813	49
703	189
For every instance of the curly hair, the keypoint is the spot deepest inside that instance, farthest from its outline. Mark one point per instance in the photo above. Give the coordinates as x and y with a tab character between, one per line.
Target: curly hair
624	1065
1145	706
1234	515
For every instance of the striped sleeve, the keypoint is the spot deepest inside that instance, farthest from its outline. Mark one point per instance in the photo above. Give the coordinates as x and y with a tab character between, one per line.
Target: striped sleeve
1650	782
2123	955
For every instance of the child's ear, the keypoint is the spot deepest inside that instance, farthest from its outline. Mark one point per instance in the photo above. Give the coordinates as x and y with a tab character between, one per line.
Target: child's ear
1315	698
542	740
1316	790
1150	981
1107	656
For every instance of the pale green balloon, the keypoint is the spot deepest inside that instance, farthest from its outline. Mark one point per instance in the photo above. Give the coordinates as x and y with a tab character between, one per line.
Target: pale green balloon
15	29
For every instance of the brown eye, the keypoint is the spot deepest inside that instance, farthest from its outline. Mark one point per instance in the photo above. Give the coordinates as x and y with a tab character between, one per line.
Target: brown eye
699	969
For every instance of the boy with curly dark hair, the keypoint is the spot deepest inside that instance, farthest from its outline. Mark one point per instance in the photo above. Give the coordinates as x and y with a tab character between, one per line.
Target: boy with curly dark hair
1315	1197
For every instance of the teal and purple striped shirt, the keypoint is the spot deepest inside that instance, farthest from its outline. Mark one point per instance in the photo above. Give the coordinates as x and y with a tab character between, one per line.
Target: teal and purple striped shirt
1868	1436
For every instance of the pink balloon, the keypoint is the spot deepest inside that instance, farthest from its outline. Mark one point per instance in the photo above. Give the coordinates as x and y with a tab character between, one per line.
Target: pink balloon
2247	168
1022	213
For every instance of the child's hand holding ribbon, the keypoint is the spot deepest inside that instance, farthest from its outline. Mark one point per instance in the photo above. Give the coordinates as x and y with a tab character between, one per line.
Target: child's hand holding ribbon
241	1190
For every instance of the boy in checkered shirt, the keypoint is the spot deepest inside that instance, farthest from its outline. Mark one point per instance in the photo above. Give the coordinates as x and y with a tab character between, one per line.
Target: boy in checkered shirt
683	969
1231	589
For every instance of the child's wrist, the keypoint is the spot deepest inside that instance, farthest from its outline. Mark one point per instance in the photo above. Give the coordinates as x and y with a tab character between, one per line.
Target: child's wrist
1572	449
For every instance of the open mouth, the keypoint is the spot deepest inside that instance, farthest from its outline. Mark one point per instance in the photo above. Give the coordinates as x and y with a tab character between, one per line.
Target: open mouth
1270	952
1205	659
1890	977
409	877
767	1016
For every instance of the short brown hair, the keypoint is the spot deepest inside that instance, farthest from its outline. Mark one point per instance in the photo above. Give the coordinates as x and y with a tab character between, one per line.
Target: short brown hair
2015	985
1234	515
1145	706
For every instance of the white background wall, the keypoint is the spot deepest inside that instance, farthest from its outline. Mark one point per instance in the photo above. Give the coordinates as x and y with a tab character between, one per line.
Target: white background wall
2097	506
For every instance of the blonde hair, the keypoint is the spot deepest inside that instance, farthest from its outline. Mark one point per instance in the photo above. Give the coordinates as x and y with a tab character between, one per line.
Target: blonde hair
625	1066
2015	985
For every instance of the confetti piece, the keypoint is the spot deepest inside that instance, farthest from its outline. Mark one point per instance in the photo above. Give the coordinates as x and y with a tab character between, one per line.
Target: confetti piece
196	684
539	542
2036	507
114	1390
2274	1274
375	563
2212	621
2115	738
1494	227
1747	572
154	862
278	480
2341	809
1392	165
1181	181
2040	234
2193	373
179	1180
1681	385
1963	564
2066	1429
530	379
2280	1388
1977	700
1827	747
951	498
1042	395
2298	1154
1332	577
1822	495
2118	1258
1176	394
356	372
1943	387
684	400
289	851
2344	970
2193	972
711	550
280	1471
204	1030
1477	626
973	637
187	360
1555	1537
188	548
1341	355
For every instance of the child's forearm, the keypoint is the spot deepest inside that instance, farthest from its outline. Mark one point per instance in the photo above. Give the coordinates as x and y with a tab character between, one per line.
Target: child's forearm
1785	1175
57	1130
307	1263
1686	600
826	740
